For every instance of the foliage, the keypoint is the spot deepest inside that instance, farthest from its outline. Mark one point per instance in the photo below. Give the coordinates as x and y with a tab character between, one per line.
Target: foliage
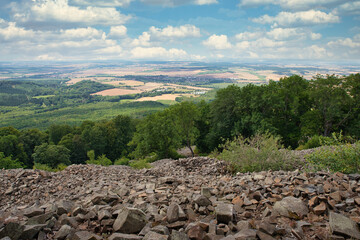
51	155
100	160
45	167
140	164
122	161
342	158
259	153
318	141
8	162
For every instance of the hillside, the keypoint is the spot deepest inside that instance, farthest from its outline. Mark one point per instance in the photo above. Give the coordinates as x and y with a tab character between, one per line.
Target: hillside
177	199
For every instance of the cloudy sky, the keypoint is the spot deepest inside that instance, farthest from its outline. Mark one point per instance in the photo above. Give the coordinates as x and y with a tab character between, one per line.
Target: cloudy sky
199	30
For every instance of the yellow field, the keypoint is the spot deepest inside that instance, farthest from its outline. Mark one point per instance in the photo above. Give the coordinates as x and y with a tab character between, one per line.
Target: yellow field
171	97
117	92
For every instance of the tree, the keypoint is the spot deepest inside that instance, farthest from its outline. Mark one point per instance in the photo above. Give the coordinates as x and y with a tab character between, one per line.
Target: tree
332	102
11	146
51	155
8	162
95	138
31	138
185	115
156	134
76	146
56	132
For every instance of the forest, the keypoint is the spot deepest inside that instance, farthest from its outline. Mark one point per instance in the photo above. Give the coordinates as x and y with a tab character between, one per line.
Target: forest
295	110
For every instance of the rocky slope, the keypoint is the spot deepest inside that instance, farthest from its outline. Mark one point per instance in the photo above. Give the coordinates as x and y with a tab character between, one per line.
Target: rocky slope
193	198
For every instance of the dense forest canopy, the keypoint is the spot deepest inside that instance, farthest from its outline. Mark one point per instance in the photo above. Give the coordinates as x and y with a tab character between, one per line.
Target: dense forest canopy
292	108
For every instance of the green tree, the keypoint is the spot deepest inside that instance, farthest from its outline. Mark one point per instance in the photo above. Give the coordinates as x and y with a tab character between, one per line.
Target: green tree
156	134
56	132
11	146
8	162
51	155
185	115
76	146
31	138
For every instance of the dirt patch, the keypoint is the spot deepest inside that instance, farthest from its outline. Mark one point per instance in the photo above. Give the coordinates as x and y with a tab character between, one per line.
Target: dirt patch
117	92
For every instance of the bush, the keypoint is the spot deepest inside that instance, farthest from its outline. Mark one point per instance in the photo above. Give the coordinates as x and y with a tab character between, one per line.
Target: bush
259	153
318	141
100	160
140	164
51	155
45	167
9	163
122	161
342	158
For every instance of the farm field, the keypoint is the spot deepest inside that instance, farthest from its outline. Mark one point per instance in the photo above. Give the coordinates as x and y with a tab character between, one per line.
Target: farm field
40	95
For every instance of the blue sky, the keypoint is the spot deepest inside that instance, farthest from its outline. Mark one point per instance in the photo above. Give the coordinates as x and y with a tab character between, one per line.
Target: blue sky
180	30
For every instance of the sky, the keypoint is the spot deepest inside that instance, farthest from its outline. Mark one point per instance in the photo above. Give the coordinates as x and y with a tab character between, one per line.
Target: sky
180	30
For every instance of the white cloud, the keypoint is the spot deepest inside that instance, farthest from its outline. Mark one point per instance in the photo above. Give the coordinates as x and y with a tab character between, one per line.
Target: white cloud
349	8
248	35
172	3
61	11
11	31
293	4
284	33
81	33
118	31
304	18
142	40
102	3
346	42
158	53
175	32
315	36
218	42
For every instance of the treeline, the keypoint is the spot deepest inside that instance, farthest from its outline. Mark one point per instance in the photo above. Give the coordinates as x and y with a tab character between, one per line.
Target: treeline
293	108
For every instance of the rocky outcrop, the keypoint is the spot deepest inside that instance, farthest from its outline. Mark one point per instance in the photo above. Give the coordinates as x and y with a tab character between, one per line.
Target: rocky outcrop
192	198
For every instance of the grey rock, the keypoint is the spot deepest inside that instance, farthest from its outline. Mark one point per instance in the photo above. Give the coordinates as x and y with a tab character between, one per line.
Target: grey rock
161	230
12	230
341	225
122	236
291	207
104	214
247	234
41	219
84	235
63	232
155	236
201	200
30	231
64	207
176	235
130	220
33	211
224	212
172	213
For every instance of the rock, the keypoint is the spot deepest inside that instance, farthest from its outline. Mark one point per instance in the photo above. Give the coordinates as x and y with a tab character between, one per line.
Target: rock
41	219
196	233
291	207
64	207
161	230
224	212
30	231
205	191
320	209
155	236
104	214
172	214
85	235
175	235
201	200
130	220
267	228
341	225
122	236
264	236
33	211
247	234
63	232
12	230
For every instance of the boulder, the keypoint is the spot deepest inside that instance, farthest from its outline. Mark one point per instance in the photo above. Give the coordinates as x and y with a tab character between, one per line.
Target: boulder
224	212
122	236
12	230
130	220
344	226
291	207
63	232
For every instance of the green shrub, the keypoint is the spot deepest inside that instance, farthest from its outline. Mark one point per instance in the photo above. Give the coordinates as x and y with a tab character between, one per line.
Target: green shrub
122	161
100	160
259	153
342	158
45	167
140	164
9	163
318	141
